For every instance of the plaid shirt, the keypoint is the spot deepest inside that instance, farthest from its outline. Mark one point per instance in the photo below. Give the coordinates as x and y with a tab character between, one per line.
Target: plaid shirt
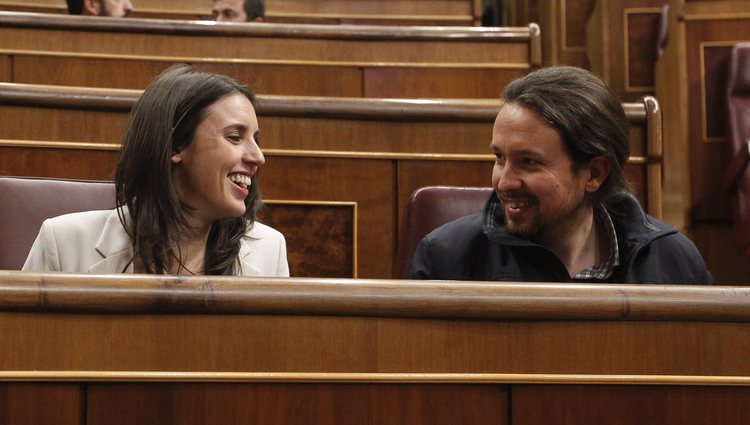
603	270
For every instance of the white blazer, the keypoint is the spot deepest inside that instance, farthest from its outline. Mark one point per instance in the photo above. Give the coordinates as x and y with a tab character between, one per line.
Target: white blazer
96	242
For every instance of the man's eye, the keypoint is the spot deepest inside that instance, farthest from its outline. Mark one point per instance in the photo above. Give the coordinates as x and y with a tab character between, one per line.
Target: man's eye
531	162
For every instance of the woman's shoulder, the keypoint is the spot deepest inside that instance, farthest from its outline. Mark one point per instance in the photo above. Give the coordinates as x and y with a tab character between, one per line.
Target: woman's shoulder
83	219
263	231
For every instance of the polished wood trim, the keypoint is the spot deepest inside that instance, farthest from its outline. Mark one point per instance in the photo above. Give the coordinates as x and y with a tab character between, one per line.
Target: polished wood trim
355	221
182	27
626	41
59	292
655	159
479	110
259	61
702	46
639	160
384	378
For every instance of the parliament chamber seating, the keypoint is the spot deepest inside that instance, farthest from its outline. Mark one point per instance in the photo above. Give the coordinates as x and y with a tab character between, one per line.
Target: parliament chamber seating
429	208
392	147
382	12
737	177
27	202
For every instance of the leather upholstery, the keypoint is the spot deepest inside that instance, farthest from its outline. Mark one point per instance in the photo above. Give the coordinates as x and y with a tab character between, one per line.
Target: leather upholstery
662	35
737	179
429	208
27	202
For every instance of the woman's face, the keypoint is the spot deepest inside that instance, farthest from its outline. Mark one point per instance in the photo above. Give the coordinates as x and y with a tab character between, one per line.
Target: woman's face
212	174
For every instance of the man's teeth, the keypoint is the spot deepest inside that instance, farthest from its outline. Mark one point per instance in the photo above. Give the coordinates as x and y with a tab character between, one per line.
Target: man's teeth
241	180
518	204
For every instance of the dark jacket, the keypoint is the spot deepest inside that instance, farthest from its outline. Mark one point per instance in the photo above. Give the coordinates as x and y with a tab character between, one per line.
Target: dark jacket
478	247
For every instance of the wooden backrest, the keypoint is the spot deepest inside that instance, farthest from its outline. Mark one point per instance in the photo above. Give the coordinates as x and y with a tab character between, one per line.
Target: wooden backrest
329	43
393	12
287	77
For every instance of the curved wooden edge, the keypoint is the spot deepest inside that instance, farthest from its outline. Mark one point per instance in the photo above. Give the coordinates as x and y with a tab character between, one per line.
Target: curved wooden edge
480	110
535	46
138	294
376	378
655	156
183	27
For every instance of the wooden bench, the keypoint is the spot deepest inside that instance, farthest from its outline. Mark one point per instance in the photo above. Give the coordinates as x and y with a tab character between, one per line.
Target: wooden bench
370	152
117	350
388	12
329	43
290	77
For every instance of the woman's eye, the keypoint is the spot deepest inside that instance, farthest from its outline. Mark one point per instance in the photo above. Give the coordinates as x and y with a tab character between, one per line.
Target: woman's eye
234	137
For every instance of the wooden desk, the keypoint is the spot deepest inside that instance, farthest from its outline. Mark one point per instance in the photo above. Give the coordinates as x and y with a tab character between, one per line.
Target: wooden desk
140	349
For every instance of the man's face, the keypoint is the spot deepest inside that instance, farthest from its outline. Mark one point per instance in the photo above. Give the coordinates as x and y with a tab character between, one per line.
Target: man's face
115	8
229	11
543	197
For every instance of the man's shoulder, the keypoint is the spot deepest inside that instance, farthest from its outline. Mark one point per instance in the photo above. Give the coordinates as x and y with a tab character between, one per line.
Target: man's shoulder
469	226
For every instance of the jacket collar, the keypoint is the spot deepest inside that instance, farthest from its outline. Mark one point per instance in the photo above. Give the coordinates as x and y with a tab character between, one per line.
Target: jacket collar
116	249
114	245
247	268
630	220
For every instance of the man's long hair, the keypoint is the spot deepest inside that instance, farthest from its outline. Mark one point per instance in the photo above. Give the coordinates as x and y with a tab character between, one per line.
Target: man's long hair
587	114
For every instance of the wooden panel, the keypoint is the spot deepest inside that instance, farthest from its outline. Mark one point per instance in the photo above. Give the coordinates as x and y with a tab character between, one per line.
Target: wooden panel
137	73
621	44
269	41
562	23
5	68
690	80
36	403
162	324
320	237
63	124
708	43
642	32
93	164
368	182
433	12
438	83
227	404
629	405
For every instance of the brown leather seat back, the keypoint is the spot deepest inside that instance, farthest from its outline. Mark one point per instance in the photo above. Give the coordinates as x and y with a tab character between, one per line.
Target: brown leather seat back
738	131
26	202
429	208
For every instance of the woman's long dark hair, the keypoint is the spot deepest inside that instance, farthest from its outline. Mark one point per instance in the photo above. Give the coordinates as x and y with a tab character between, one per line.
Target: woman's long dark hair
162	122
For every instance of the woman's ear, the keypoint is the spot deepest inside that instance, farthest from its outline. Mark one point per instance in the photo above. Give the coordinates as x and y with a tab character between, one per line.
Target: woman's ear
599	168
176	157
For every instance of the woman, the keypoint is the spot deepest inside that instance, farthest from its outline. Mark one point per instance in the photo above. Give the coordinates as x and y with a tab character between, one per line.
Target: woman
187	191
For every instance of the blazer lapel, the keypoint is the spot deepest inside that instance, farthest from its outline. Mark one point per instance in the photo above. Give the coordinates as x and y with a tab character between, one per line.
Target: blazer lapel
114	246
248	268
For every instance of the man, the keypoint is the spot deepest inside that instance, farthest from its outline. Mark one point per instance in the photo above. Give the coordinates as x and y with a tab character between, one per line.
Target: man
561	210
113	8
238	10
